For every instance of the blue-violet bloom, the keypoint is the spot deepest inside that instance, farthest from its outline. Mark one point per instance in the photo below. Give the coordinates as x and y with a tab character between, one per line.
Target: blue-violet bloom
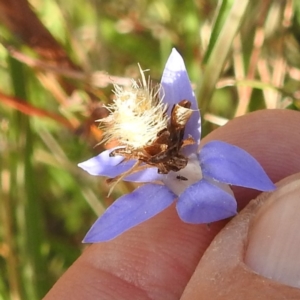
200	189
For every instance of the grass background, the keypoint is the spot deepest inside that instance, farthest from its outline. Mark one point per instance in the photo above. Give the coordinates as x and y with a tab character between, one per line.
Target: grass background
58	60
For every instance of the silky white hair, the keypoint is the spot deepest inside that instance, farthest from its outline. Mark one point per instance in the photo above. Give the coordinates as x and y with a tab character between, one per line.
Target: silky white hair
137	115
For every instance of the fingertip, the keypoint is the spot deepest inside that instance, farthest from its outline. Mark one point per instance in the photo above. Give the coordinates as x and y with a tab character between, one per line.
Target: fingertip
237	266
274	240
271	137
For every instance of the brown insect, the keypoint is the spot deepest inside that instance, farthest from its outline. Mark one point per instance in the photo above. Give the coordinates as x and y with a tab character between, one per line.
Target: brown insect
165	151
181	178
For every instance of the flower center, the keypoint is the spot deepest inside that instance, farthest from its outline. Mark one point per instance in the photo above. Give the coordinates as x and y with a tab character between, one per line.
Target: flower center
177	182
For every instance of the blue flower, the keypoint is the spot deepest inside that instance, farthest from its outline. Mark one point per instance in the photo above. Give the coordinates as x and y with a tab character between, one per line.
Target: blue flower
201	189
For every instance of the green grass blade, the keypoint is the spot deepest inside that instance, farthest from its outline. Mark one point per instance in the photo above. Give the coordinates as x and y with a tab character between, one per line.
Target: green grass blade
220	48
27	210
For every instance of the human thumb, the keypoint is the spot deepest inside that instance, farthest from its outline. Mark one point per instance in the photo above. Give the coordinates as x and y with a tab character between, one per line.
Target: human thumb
257	254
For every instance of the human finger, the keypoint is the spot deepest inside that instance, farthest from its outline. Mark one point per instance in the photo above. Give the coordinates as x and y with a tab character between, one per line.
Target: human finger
256	255
156	259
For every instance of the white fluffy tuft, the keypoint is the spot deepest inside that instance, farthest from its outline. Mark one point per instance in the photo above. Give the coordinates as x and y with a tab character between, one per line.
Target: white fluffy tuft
137	115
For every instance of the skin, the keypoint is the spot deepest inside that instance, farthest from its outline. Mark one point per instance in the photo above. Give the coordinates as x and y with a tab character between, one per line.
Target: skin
163	257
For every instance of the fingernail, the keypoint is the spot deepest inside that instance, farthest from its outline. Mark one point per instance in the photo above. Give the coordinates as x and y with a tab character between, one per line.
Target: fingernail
273	248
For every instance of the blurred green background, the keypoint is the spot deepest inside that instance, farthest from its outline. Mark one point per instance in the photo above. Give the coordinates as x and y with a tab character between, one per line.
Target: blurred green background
58	61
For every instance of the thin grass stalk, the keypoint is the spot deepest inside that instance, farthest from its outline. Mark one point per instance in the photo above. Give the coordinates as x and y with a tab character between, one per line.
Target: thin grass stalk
8	246
221	49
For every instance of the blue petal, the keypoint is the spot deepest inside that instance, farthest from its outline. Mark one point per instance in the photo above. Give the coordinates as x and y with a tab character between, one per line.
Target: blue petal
129	211
204	202
104	165
176	87
232	165
147	175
